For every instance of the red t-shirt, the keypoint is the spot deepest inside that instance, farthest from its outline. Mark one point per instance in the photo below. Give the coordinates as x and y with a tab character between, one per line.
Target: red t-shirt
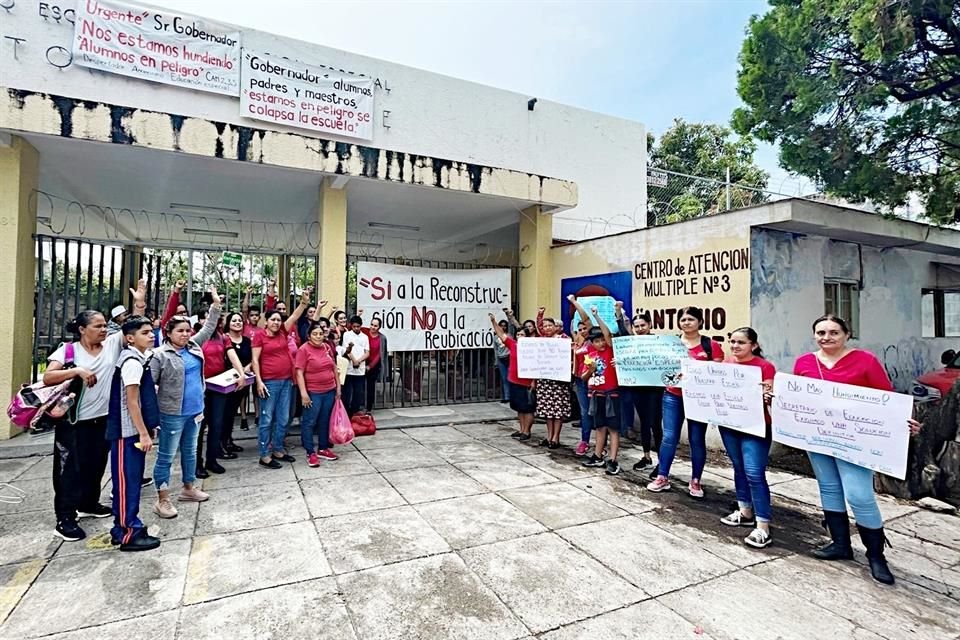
767	372
512	375
319	369
858	367
215	355
697	353
604	378
250	330
276	362
374	358
578	355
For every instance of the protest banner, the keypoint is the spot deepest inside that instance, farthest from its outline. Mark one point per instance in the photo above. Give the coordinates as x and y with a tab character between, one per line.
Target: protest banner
863	426
305	95
729	395
606	307
432	309
545	358
157	45
649	361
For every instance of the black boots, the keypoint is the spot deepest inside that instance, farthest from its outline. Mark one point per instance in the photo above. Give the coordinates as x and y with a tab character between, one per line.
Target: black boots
838	525
874	540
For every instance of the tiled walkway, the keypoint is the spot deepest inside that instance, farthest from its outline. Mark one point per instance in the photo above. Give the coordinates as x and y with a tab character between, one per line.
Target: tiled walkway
462	533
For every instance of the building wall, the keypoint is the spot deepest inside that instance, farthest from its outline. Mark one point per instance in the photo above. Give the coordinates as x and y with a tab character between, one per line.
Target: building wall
656	256
417	112
786	295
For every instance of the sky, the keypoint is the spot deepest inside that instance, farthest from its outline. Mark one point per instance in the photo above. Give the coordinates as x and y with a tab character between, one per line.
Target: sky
647	60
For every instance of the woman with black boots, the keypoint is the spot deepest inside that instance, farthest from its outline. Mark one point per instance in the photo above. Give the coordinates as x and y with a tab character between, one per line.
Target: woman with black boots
841	482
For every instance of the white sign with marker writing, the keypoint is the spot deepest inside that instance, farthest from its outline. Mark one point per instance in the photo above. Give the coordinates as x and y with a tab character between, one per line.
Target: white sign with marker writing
730	395
866	427
544	358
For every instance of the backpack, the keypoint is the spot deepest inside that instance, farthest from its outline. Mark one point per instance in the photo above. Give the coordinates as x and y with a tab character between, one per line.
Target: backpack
707	345
32	402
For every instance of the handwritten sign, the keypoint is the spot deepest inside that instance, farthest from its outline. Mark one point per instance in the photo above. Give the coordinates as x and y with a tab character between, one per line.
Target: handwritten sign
424	309
606	307
648	361
308	96
157	45
866	427
544	358
729	395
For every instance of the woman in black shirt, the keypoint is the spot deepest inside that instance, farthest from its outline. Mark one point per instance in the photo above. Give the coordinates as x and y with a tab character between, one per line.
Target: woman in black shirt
244	350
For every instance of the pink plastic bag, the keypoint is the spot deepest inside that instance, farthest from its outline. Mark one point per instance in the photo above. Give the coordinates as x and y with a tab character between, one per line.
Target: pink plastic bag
341	432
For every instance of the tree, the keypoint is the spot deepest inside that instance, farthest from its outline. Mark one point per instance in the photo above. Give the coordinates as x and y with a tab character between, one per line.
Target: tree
705	151
863	97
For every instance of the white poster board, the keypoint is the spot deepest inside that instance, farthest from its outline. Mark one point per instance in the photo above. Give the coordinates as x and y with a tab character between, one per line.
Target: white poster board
307	96
422	309
649	361
725	394
157	45
866	427
545	358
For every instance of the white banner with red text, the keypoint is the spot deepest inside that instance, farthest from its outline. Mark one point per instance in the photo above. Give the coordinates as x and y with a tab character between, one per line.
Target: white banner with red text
422	309
157	45
306	96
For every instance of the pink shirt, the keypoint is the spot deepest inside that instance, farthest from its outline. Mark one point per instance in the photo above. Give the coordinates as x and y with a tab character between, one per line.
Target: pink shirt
858	367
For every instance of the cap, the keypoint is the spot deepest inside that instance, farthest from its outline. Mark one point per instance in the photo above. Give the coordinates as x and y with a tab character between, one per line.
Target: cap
117	310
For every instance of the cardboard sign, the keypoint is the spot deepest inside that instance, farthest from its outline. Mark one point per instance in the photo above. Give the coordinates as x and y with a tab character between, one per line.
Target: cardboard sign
649	361
863	426
730	395
544	358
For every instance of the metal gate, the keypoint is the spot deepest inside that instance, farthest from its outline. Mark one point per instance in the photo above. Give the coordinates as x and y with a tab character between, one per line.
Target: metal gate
73	275
425	378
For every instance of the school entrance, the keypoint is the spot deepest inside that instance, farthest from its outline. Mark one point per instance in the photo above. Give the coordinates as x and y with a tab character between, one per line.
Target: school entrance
102	214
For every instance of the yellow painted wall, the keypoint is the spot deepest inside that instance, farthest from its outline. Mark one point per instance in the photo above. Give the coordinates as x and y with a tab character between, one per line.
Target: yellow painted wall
332	219
536	264
19	173
673	266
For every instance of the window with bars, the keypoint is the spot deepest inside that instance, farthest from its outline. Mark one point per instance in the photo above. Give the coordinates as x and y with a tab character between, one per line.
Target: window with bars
940	313
843	299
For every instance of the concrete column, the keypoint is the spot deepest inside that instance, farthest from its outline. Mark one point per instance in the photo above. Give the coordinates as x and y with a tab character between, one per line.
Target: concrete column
332	216
283	281
132	255
19	177
536	269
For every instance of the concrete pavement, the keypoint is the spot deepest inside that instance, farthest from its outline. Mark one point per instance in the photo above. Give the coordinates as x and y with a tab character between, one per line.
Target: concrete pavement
460	532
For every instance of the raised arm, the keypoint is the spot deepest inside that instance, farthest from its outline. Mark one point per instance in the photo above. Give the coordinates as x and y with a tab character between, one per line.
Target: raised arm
245	305
497	328
172	303
512	319
213	317
583	312
304	303
603	325
540	313
624	328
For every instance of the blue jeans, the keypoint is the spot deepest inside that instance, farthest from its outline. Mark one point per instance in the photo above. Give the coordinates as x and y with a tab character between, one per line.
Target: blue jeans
648	403
316	420
503	364
274	416
176	432
840	483
583	399
749	455
696	431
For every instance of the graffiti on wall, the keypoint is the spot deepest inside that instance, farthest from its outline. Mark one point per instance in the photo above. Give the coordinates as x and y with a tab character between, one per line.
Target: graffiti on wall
905	361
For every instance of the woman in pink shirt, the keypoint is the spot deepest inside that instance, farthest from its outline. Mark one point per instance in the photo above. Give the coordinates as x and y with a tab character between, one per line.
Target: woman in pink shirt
842	482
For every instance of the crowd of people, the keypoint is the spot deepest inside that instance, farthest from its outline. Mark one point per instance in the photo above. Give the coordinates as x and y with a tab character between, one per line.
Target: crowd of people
140	382
608	412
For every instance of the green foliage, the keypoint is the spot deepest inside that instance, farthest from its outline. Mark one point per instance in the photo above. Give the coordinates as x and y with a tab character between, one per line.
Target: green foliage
705	151
863	97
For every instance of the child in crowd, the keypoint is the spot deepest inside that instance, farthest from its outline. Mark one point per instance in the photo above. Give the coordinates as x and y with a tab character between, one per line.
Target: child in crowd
134	414
604	401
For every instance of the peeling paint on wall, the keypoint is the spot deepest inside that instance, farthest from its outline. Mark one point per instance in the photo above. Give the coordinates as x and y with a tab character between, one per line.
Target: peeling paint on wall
33	112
